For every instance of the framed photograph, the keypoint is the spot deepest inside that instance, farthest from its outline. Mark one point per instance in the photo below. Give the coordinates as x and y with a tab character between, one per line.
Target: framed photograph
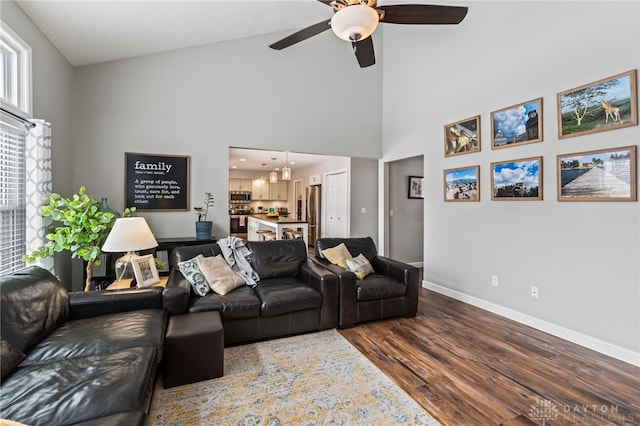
145	271
517	125
517	180
462	137
462	184
607	104
163	258
416	187
602	175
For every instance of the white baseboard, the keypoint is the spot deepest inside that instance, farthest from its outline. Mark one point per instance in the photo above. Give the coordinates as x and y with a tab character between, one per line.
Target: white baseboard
597	345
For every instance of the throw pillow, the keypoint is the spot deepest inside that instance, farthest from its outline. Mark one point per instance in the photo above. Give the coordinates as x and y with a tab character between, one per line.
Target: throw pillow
219	274
337	255
10	357
360	266
191	272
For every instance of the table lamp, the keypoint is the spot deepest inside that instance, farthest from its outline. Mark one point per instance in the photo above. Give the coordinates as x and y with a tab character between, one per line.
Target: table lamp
129	234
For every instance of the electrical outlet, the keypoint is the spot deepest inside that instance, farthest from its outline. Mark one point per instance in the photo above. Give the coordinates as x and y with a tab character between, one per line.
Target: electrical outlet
494	280
534	291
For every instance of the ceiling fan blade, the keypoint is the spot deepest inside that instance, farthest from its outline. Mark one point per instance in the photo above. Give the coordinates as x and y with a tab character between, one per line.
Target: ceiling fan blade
327	2
364	52
302	35
422	14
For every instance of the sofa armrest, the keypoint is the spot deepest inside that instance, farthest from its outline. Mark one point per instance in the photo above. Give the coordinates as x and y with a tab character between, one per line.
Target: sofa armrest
347	303
326	283
408	274
175	298
86	304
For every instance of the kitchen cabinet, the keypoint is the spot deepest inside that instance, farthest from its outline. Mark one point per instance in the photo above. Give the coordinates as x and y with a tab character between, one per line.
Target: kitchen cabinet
260	190
278	191
239	184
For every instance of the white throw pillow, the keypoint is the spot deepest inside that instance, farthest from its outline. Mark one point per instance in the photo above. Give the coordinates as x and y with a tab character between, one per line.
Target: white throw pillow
360	266
192	273
219	274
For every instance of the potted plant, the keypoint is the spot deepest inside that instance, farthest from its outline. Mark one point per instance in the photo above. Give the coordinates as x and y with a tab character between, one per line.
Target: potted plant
84	226
203	226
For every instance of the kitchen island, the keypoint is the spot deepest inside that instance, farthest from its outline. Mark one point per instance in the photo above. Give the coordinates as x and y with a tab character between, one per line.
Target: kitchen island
263	222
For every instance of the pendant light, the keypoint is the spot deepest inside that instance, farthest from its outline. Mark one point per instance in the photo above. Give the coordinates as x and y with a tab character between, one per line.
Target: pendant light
262	178
286	171
273	176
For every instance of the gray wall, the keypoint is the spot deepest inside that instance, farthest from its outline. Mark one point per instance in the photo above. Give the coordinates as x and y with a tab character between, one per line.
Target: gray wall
364	195
52	77
582	256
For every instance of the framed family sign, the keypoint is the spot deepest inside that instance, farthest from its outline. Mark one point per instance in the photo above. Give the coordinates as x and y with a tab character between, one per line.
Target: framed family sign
607	104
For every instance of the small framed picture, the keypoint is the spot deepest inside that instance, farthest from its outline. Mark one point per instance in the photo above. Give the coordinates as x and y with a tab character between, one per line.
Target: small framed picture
606	104
517	180
462	184
145	271
462	137
517	125
163	261
601	175
416	187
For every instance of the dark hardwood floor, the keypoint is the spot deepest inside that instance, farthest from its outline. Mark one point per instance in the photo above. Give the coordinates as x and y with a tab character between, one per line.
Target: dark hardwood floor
467	366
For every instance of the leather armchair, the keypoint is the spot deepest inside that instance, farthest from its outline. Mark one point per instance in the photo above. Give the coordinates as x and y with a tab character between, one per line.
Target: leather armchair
391	291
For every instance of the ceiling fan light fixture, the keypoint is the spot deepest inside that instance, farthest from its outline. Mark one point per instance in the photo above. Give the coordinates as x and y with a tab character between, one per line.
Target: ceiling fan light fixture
355	22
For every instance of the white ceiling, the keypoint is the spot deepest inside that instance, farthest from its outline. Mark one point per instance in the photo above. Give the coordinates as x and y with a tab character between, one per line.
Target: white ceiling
254	158
93	31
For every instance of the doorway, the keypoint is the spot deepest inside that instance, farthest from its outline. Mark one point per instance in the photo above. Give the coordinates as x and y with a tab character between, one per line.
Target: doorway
336	197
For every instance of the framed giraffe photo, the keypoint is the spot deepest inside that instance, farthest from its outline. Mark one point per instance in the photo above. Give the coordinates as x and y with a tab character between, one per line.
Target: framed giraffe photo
462	137
607	104
517	125
600	175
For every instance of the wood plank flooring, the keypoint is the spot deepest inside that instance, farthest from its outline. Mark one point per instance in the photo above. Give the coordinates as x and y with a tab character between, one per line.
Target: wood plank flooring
467	366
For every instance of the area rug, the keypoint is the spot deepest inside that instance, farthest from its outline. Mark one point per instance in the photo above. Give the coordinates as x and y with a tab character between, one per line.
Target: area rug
312	379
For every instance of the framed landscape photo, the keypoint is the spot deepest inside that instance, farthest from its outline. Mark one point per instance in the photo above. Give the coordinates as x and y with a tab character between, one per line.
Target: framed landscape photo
517	180
517	125
462	184
607	104
416	187
462	137
601	175
145	271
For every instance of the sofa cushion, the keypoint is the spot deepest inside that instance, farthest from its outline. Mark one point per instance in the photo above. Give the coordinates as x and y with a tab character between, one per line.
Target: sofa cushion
378	286
284	295
46	298
356	246
337	255
243	302
360	266
277	258
101	335
10	357
180	254
192	273
219	274
74	390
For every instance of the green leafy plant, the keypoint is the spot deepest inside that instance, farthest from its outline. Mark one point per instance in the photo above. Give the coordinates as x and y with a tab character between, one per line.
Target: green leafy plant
82	230
203	211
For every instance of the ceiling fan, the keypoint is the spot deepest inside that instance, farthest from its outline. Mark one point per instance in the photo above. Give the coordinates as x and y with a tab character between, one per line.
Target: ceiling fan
355	21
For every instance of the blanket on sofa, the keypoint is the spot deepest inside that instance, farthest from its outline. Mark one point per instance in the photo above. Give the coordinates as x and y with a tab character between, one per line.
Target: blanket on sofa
238	257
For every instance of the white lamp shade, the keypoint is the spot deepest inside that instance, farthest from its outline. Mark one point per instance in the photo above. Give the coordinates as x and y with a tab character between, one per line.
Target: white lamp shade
355	22
129	234
286	173
273	177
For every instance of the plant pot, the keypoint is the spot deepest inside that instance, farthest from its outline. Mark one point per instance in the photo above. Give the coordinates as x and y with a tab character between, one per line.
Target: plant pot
203	230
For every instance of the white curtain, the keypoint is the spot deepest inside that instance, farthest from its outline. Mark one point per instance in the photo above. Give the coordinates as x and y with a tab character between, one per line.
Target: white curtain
38	186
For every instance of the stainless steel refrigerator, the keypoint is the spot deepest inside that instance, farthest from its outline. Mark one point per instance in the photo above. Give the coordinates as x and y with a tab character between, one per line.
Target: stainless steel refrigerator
313	213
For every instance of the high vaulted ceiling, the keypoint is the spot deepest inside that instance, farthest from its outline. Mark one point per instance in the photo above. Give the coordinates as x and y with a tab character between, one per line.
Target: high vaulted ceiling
93	31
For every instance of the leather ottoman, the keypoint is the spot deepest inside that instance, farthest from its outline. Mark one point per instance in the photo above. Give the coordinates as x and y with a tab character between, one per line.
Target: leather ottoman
194	348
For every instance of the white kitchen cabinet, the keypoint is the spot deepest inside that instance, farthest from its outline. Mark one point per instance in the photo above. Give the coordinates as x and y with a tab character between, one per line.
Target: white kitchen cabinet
260	190
239	184
278	191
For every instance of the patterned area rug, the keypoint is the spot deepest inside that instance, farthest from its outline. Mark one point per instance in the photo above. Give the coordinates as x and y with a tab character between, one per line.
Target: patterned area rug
312	379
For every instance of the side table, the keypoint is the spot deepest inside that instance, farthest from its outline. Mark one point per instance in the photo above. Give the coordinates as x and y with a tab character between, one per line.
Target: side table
124	284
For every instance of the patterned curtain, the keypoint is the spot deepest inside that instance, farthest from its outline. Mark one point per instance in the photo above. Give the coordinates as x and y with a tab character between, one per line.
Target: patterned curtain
38	186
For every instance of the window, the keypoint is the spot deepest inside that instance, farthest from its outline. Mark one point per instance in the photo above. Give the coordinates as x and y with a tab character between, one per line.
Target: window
15	98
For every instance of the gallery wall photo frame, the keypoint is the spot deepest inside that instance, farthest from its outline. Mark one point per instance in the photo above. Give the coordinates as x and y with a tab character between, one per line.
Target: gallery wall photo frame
517	180
606	104
600	175
416	187
462	184
518	124
144	268
462	137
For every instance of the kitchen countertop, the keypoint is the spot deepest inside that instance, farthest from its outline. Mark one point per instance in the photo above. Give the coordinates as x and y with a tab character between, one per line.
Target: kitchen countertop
276	219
